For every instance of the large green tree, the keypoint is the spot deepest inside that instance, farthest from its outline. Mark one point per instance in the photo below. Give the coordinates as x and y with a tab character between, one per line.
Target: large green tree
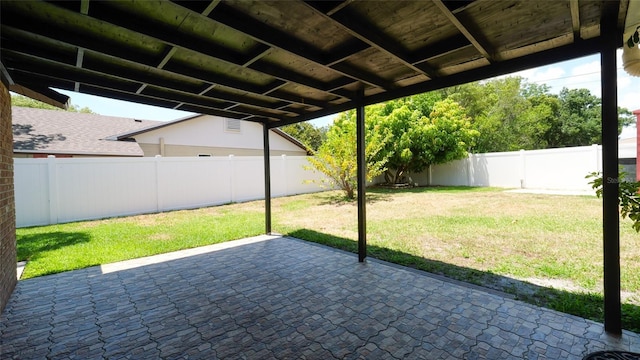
511	114
336	157
306	133
23	101
422	131
580	119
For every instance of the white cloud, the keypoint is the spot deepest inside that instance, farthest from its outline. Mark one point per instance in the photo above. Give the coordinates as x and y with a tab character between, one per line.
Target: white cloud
624	81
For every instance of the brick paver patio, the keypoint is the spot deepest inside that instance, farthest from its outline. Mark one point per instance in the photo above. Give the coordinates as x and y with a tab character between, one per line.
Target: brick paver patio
277	297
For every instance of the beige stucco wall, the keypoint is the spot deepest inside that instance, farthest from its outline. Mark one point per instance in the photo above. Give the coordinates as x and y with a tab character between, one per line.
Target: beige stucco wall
185	150
207	135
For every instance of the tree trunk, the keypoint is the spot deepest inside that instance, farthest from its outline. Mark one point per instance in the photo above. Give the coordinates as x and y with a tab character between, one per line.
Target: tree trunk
350	193
388	177
399	175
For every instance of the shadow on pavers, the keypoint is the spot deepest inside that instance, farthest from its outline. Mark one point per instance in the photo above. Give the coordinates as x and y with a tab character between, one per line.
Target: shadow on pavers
589	306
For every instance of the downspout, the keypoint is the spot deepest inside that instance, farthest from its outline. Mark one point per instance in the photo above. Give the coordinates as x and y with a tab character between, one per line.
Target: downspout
162	147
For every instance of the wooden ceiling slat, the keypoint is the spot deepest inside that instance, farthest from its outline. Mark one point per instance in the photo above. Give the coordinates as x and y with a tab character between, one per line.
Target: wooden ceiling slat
439	49
345	51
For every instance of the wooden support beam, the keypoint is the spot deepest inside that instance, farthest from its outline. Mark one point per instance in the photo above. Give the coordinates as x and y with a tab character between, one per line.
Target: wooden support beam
473	36
281	40
368	33
574	7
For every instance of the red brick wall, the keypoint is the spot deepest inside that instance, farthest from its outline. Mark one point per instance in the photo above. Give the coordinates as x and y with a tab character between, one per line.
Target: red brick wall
7	203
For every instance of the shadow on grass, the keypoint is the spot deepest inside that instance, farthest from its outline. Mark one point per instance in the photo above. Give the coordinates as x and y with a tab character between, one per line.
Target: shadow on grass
380	193
32	245
338	199
427	189
589	306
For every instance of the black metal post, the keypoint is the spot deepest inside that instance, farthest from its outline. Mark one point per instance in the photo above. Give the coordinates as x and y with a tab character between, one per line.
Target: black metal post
362	179
267	180
610	215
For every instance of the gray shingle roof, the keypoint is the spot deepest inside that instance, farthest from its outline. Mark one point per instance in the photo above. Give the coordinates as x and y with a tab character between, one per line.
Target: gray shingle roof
64	132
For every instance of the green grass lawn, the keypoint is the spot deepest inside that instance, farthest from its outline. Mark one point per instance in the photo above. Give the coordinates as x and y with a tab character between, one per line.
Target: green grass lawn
57	248
544	249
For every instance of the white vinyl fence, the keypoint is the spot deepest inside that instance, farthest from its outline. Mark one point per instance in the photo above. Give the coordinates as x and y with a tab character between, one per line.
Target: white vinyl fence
51	191
552	169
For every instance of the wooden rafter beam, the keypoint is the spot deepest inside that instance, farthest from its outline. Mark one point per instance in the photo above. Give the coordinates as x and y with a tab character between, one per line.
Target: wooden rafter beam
172	49
574	6
209	49
125	82
41	93
277	39
42	35
116	21
367	33
105	91
125	72
547	57
84	10
473	36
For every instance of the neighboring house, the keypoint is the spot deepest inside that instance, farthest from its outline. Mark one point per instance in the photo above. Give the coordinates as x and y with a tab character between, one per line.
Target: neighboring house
207	135
627	153
39	133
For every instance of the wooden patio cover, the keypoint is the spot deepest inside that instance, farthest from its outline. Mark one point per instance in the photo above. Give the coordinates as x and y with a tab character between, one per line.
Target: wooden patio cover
282	62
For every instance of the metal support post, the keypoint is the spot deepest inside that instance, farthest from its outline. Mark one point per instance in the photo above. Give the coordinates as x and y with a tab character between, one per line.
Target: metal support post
267	180
610	214
362	179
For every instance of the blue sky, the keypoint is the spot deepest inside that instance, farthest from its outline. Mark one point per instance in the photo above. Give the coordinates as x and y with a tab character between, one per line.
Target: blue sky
579	73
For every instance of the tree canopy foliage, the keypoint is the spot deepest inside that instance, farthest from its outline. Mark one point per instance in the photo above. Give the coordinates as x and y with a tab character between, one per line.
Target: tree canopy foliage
422	130
23	101
401	136
336	157
306	133
511	114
